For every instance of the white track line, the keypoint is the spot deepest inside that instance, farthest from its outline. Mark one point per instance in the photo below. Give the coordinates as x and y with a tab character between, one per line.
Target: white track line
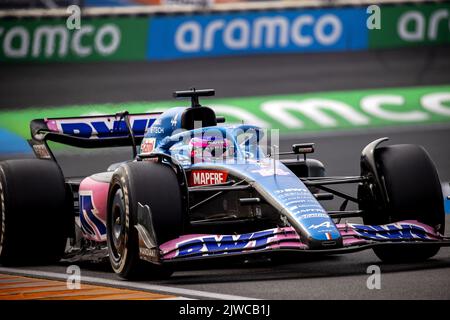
127	285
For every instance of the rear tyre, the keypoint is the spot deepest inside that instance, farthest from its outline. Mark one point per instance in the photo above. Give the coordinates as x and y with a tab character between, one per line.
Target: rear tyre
414	193
151	184
35	212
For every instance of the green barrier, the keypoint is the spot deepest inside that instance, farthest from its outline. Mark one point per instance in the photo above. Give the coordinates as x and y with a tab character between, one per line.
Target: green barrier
328	111
49	40
412	25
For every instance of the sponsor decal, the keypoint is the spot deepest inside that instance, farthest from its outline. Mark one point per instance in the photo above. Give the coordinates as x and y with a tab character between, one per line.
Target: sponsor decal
289	190
91	224
156	130
41	151
326	224
325	230
148	254
267	172
263	32
313	215
207	177
391	231
101	127
297	201
147	146
174	120
230	243
301	203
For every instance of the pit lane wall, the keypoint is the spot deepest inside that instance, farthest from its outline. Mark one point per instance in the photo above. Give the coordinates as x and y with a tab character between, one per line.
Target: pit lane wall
191	34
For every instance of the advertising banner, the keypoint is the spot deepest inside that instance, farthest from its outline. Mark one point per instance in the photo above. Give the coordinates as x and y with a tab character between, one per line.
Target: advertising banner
167	37
294	113
51	40
412	25
314	30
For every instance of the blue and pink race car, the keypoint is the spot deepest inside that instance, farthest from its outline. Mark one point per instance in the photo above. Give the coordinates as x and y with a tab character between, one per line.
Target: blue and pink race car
197	191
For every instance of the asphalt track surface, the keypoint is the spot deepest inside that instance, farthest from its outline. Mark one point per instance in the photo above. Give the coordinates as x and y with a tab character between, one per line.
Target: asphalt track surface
336	277
81	83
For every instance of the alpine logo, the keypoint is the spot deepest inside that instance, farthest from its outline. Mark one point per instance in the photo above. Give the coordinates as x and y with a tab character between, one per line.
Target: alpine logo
326	224
207	177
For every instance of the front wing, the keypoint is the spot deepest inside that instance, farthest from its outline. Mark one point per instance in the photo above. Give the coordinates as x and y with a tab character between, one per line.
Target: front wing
355	237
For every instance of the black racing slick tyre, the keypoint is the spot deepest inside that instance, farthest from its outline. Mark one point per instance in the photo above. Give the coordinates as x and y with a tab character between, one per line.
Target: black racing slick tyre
35	212
144	183
414	192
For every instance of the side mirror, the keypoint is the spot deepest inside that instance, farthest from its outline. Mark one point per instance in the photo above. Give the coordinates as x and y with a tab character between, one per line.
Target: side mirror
303	148
220	119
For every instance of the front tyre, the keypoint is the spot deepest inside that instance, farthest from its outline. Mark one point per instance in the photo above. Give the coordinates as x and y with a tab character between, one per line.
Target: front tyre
414	193
151	184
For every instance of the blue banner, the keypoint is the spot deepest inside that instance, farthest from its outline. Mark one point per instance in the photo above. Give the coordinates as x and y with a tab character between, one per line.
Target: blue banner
11	143
316	30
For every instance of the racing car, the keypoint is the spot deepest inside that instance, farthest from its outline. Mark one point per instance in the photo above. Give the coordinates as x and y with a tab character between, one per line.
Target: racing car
197	190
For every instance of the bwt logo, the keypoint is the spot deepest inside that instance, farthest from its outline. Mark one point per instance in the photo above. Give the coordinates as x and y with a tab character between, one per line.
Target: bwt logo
260	33
391	231
224	243
104	129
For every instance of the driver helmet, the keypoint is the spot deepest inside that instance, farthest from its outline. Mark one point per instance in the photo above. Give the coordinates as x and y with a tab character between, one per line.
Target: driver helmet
206	149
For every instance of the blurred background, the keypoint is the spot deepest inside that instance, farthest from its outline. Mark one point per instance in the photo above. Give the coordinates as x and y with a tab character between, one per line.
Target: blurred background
114	3
339	73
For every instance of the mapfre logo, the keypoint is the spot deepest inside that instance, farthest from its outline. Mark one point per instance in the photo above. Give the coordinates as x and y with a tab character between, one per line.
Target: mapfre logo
207	177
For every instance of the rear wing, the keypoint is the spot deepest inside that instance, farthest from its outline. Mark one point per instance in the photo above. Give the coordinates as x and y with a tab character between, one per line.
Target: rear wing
89	131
